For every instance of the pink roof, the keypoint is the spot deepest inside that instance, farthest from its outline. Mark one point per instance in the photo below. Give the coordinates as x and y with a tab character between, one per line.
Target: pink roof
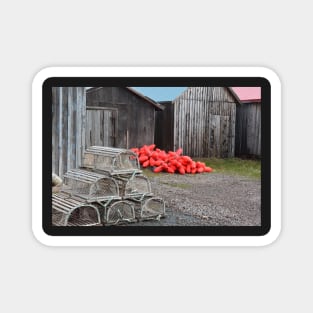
248	94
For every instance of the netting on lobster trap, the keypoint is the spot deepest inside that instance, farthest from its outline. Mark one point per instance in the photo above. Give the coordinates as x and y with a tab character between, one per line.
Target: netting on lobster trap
71	212
90	186
111	160
135	185
117	212
149	208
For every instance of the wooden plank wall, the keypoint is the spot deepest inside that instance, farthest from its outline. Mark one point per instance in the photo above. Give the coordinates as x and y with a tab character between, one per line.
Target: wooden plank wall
134	117
101	127
204	122
68	127
248	130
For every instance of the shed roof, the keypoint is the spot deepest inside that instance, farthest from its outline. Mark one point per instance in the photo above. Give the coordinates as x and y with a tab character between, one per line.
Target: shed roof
157	105
229	89
140	95
248	94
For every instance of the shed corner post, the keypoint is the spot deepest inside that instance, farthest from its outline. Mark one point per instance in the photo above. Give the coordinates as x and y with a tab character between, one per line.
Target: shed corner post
174	126
83	134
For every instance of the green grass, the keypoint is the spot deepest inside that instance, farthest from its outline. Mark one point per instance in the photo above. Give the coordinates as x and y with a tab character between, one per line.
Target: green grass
232	166
235	166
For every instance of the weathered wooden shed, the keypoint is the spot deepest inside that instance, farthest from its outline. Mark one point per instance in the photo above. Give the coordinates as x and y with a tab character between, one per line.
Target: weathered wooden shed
68	127
105	116
201	121
119	117
248	122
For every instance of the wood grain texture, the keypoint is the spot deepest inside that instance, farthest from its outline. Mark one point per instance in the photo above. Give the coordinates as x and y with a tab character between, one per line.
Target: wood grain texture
68	107
201	121
128	120
248	130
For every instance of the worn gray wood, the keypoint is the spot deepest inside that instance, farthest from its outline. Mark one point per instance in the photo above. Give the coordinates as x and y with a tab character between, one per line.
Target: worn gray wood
82	105
131	119
55	139
203	122
248	129
100	108
79	126
232	132
71	131
101	127
68	109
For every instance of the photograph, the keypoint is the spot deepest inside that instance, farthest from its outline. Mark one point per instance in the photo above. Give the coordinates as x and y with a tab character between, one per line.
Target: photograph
125	157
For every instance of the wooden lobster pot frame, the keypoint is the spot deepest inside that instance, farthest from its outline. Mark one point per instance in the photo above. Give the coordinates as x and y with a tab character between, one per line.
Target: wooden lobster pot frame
133	186
116	212
149	208
90	186
67	211
112	161
110	182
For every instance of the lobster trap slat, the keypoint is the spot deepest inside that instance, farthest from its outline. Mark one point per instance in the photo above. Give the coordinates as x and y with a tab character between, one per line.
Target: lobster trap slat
70	212
149	208
111	160
90	186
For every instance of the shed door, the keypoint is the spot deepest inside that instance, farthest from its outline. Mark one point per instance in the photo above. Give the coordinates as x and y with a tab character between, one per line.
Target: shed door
101	127
221	140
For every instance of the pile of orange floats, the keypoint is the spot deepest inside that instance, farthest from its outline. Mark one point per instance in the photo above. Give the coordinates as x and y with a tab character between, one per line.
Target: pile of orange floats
170	162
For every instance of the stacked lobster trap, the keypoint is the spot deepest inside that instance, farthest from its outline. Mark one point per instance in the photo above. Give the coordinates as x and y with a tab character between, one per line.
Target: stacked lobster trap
108	189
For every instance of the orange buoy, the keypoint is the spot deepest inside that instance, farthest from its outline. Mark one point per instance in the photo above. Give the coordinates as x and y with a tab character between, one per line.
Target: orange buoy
208	169
146	163
181	170
143	158
158	169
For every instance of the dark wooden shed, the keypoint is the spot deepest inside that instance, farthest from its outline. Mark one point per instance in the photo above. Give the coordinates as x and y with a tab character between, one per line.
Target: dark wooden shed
201	121
119	117
248	122
248	130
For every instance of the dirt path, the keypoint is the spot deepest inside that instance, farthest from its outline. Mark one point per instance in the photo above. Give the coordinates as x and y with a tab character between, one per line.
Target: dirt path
207	199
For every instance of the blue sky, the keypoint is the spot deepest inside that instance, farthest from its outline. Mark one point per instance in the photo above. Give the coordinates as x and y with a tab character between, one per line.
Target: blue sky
160	93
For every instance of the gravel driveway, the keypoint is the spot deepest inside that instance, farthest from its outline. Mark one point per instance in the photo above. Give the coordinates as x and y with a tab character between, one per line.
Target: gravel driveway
207	199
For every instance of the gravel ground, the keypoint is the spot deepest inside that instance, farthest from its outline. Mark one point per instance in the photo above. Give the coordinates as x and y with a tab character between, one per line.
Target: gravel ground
207	199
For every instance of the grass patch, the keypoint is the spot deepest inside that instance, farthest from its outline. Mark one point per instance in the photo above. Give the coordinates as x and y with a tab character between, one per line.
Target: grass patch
235	166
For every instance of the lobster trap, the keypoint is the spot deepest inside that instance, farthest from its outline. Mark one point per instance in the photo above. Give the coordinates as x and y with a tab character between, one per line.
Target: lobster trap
135	185
67	211
108	189
111	160
90	186
149	208
117	212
